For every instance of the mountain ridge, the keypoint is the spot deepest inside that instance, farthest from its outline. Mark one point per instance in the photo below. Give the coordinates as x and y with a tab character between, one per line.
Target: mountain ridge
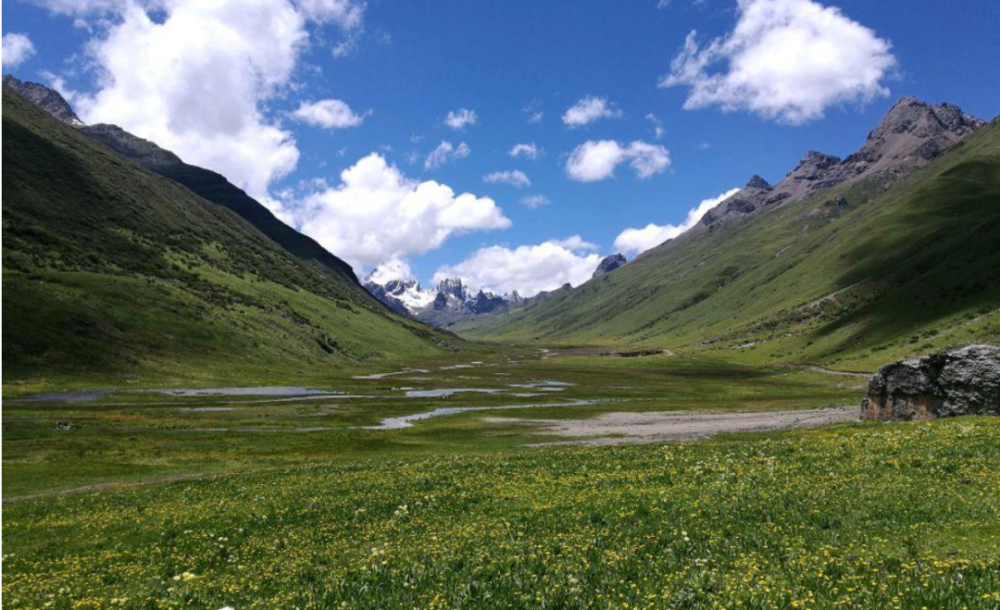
203	182
911	134
115	273
843	275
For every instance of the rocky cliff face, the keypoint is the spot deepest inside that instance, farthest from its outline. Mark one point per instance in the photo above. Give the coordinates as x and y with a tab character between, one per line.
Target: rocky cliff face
45	98
911	134
748	200
964	381
609	264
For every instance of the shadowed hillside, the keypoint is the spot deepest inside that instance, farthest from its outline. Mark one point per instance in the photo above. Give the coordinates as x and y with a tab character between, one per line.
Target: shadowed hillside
851	275
112	270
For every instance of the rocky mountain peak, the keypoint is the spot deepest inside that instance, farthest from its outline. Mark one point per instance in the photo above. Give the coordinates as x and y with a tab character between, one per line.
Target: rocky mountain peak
46	98
454	287
911	115
911	133
758	183
609	264
813	164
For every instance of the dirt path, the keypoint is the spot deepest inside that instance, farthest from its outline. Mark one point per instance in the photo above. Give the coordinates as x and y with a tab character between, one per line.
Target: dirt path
825	371
632	428
114	485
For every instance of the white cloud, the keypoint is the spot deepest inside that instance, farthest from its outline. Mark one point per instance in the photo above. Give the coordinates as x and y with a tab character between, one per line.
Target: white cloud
445	153
389	271
533	112
329	114
16	49
515	178
575	242
461	118
378	215
347	14
647	159
81	7
588	110
535	201
526	269
597	160
634	241
195	77
658	131
787	60
528	151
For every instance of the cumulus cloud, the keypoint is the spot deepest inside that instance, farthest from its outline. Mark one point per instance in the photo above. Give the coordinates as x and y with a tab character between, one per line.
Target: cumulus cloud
445	153
196	77
588	110
526	269
16	49
391	271
535	201
329	114
461	118
377	215
787	60
634	241
527	150
347	14
515	178
597	160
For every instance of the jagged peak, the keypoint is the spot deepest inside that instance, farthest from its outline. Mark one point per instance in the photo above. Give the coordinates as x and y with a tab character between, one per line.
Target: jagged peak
910	113
609	264
758	183
46	98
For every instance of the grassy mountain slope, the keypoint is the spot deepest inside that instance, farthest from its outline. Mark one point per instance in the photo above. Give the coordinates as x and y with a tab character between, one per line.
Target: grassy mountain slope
111	270
851	276
215	188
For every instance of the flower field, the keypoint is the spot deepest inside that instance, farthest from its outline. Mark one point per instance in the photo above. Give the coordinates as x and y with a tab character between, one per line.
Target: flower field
859	516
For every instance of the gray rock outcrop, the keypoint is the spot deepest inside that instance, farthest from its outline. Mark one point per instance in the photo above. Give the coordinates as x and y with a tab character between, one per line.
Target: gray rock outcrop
609	264
45	98
963	381
133	147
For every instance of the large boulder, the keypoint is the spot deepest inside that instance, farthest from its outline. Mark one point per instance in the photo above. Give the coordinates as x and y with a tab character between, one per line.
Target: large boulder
964	381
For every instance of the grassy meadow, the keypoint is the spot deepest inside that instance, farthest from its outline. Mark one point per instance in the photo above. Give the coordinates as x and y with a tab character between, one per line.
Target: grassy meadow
857	516
134	435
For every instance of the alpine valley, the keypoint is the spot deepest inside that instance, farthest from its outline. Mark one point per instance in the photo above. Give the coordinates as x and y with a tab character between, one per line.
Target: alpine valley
225	387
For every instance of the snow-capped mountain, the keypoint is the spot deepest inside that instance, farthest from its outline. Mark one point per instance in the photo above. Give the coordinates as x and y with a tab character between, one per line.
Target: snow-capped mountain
403	296
450	301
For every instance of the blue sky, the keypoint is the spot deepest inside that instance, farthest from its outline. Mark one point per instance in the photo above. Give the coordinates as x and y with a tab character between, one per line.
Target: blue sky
401	67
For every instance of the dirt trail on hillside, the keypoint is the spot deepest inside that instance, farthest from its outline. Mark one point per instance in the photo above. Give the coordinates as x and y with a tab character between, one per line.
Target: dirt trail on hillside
825	371
112	485
633	428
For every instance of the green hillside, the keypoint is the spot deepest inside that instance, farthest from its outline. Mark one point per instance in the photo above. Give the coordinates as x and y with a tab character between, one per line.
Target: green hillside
112	273
851	277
